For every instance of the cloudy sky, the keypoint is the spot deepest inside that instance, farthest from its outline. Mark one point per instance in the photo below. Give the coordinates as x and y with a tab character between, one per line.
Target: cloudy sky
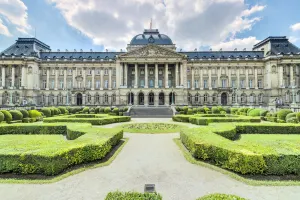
110	24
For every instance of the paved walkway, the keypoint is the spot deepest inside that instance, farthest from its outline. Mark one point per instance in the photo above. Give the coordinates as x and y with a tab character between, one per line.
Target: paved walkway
146	158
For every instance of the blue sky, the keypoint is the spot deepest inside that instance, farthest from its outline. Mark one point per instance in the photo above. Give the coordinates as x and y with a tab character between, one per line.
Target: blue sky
101	24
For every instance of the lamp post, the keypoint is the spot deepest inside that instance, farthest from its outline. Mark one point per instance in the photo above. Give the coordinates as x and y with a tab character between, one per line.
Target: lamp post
130	103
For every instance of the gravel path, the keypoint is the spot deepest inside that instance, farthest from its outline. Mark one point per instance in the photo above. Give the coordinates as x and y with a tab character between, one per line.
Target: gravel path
146	158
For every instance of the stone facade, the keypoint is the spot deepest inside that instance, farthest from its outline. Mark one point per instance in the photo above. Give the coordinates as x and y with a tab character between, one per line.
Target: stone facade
150	73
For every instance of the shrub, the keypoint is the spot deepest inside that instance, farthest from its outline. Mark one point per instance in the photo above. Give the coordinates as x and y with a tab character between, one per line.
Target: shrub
177	108
257	112
200	110
35	114
190	111
24	113
233	111
292	120
63	110
7	116
85	110
206	109
1	117
290	115
215	110
16	115
281	114
125	109
97	110
263	113
46	112
185	109
298	116
116	111
217	196
92	110
101	110
132	196
107	110
223	112
220	108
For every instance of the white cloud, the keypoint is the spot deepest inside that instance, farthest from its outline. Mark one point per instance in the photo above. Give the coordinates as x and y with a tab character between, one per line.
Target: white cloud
3	29
15	12
240	44
189	23
295	27
293	39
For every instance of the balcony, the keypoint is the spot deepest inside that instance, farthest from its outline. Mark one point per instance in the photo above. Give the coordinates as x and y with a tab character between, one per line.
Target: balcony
228	89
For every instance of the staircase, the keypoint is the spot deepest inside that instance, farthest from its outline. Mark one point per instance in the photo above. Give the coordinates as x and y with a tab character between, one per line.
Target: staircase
151	112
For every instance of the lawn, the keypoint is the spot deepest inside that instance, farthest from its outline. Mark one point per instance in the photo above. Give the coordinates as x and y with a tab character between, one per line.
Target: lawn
152	128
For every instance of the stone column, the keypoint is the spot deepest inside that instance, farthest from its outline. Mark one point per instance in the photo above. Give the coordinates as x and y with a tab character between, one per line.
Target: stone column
193	78
209	79
156	75
65	78
84	79
280	75
255	78
136	75
247	79
181	75
109	79
48	79
23	76
101	78
3	76
146	75
184	74
201	78
229	77
93	79
176	75
126	74
166	76
74	77
13	75
237	78
291	75
119	74
219	76
56	78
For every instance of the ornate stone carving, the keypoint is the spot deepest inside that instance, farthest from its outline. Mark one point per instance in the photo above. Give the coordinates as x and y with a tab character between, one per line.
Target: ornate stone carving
152	51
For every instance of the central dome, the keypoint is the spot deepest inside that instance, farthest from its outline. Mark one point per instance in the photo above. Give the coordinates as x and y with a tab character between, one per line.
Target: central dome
151	36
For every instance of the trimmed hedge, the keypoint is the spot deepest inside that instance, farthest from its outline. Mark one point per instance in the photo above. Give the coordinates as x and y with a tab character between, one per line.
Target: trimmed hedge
7	116
281	114
46	112
34	114
217	196
1	117
24	113
16	115
132	196
89	147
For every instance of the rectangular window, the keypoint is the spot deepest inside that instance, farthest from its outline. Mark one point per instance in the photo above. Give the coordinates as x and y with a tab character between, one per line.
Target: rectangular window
250	83
151	83
69	84
98	71
52	84
204	83
97	84
70	71
61	72
61	84
224	81
132	83
44	84
160	83
133	72
44	72
106	84
189	84
169	72
142	83
170	83
242	84
142	71
151	72
213	83
89	72
114	84
89	84
233	84
259	83
196	84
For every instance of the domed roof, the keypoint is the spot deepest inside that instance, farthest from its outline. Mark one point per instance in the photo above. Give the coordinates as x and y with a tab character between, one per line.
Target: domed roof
151	36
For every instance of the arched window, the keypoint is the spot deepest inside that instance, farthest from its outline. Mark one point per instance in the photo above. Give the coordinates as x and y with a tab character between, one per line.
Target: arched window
60	98
197	98
205	98
233	98
189	98
114	98
105	98
287	97
273	69
89	98
215	98
243	98
97	99
105	71
260	98
252	98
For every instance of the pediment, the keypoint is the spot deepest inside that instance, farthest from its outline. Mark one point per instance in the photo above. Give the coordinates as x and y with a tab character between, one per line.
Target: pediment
152	51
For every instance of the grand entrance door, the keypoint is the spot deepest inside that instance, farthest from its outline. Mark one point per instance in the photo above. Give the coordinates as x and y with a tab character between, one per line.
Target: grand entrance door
151	98
161	98
130	98
141	99
172	98
224	98
79	99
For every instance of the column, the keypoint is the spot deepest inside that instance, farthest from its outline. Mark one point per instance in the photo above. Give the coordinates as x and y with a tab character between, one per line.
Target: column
74	77
56	78
201	78
93	79
237	78
176	75
219	76
48	79
126	74
184	74
193	78
166	76
209	78
291	75
181	75
23	76
101	78
65	78
156	75
229	77
13	75
247	79
119	74
146	75
255	78
84	79
109	79
3	76
136	75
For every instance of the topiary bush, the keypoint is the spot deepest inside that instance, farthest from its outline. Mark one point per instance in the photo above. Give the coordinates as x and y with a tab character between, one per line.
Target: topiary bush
1	117
24	113
125	109
97	110
16	115
132	196
92	110
101	110
190	111
290	115
7	116
292	120
218	196
46	112
116	111
36	115
281	114
63	110
215	110
107	110
185	109
85	110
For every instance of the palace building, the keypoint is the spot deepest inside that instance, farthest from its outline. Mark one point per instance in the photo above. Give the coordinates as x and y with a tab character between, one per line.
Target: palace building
150	72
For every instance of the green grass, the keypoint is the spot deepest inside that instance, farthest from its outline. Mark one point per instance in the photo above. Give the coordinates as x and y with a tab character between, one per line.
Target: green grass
152	128
217	196
231	174
132	196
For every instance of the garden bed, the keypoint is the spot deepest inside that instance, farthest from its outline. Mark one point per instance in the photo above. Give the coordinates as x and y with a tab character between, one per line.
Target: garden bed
52	148
152	128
